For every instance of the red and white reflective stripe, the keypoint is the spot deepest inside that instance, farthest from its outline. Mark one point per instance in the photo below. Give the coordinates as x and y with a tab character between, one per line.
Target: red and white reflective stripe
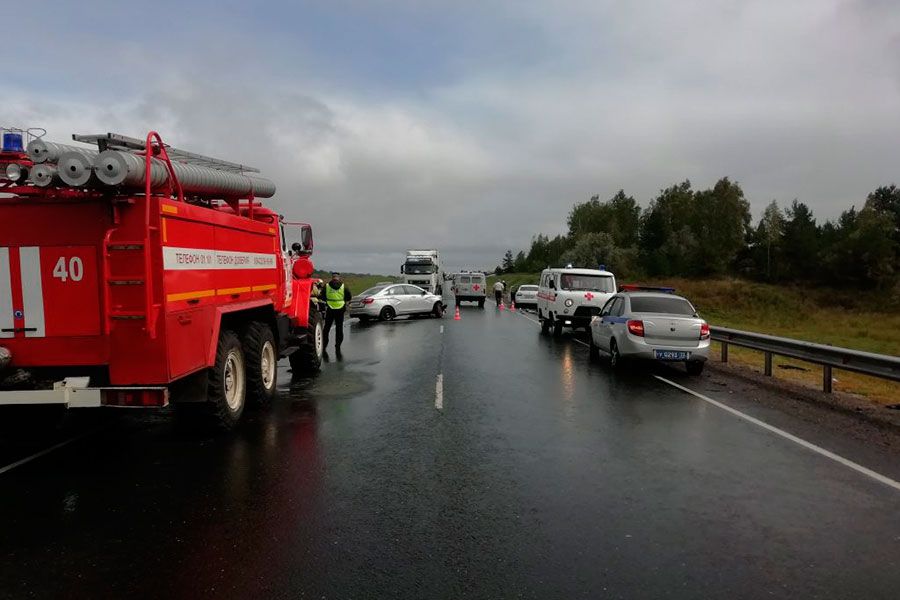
7	324
203	259
32	291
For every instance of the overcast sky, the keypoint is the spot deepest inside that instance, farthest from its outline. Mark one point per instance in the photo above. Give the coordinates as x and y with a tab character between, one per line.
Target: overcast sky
471	126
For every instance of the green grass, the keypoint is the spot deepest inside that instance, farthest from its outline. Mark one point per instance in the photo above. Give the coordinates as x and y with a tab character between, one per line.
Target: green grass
515	279
357	282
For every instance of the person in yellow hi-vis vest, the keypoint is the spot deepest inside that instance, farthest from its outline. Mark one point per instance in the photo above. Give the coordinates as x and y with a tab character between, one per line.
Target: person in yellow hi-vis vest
336	295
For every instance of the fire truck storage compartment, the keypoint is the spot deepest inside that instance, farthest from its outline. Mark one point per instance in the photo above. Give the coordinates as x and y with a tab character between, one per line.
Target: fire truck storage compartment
50	270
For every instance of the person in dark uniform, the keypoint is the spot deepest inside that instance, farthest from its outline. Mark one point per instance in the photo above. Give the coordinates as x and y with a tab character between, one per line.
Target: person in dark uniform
336	295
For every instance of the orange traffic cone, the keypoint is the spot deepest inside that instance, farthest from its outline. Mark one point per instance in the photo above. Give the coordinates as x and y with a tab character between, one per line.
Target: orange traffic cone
456	316
512	306
502	306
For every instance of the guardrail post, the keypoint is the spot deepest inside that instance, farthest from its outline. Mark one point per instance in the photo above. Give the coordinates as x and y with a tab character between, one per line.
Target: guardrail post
768	369
724	352
826	379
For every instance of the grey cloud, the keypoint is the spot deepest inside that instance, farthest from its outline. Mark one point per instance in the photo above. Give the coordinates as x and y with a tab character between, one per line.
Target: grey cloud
792	99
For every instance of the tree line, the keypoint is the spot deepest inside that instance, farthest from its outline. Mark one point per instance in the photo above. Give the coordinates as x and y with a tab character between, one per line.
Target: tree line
703	233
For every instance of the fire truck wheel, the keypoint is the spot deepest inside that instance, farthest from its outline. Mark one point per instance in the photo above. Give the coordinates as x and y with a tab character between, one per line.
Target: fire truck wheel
307	359
261	353
228	380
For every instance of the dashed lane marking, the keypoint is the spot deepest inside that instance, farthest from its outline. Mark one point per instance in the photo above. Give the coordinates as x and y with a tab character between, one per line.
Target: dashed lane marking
439	392
442	329
788	436
524	316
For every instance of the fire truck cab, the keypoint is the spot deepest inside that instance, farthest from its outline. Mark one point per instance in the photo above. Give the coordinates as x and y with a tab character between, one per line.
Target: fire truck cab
171	284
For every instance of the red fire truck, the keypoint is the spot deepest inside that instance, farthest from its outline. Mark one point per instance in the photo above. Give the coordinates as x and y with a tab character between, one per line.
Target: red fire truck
157	277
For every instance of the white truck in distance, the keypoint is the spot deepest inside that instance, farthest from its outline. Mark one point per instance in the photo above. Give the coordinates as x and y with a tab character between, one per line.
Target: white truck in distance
424	269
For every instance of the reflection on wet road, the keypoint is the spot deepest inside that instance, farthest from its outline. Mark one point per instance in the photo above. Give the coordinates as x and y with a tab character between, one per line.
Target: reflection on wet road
541	476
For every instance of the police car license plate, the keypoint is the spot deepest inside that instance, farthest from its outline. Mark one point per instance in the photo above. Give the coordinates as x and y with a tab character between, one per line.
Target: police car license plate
671	355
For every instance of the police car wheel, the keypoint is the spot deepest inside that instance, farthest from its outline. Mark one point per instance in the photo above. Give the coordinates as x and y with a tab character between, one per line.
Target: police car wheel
695	367
438	310
387	314
615	359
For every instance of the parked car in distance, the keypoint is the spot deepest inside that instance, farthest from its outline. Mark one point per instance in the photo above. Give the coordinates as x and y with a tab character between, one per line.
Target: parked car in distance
650	324
386	302
526	296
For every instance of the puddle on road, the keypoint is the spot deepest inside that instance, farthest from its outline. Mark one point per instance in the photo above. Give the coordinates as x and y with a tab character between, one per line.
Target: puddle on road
333	385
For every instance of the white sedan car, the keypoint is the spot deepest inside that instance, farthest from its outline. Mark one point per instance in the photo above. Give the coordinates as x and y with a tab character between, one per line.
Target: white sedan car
654	325
386	302
526	295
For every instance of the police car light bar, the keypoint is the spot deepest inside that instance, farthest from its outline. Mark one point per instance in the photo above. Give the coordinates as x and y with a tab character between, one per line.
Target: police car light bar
633	287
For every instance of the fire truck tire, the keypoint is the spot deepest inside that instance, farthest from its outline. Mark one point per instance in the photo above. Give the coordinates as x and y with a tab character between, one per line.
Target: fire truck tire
307	359
261	352
227	390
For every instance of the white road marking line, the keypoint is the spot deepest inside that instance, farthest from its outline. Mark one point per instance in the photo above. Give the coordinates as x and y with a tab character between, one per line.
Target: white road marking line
43	452
442	329
439	392
535	321
808	445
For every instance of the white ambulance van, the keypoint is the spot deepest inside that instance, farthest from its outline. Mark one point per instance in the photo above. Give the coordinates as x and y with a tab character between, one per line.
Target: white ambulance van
570	297
470	286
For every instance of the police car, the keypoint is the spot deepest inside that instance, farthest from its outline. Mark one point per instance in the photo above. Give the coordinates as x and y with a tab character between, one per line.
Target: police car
570	297
650	323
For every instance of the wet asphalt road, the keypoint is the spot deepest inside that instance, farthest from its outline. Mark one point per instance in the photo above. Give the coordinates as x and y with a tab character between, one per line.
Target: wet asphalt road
542	476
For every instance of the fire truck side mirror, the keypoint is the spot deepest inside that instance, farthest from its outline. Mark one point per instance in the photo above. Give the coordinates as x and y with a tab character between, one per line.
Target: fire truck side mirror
306	238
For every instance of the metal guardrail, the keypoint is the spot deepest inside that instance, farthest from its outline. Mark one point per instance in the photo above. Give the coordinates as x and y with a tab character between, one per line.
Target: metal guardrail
830	357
